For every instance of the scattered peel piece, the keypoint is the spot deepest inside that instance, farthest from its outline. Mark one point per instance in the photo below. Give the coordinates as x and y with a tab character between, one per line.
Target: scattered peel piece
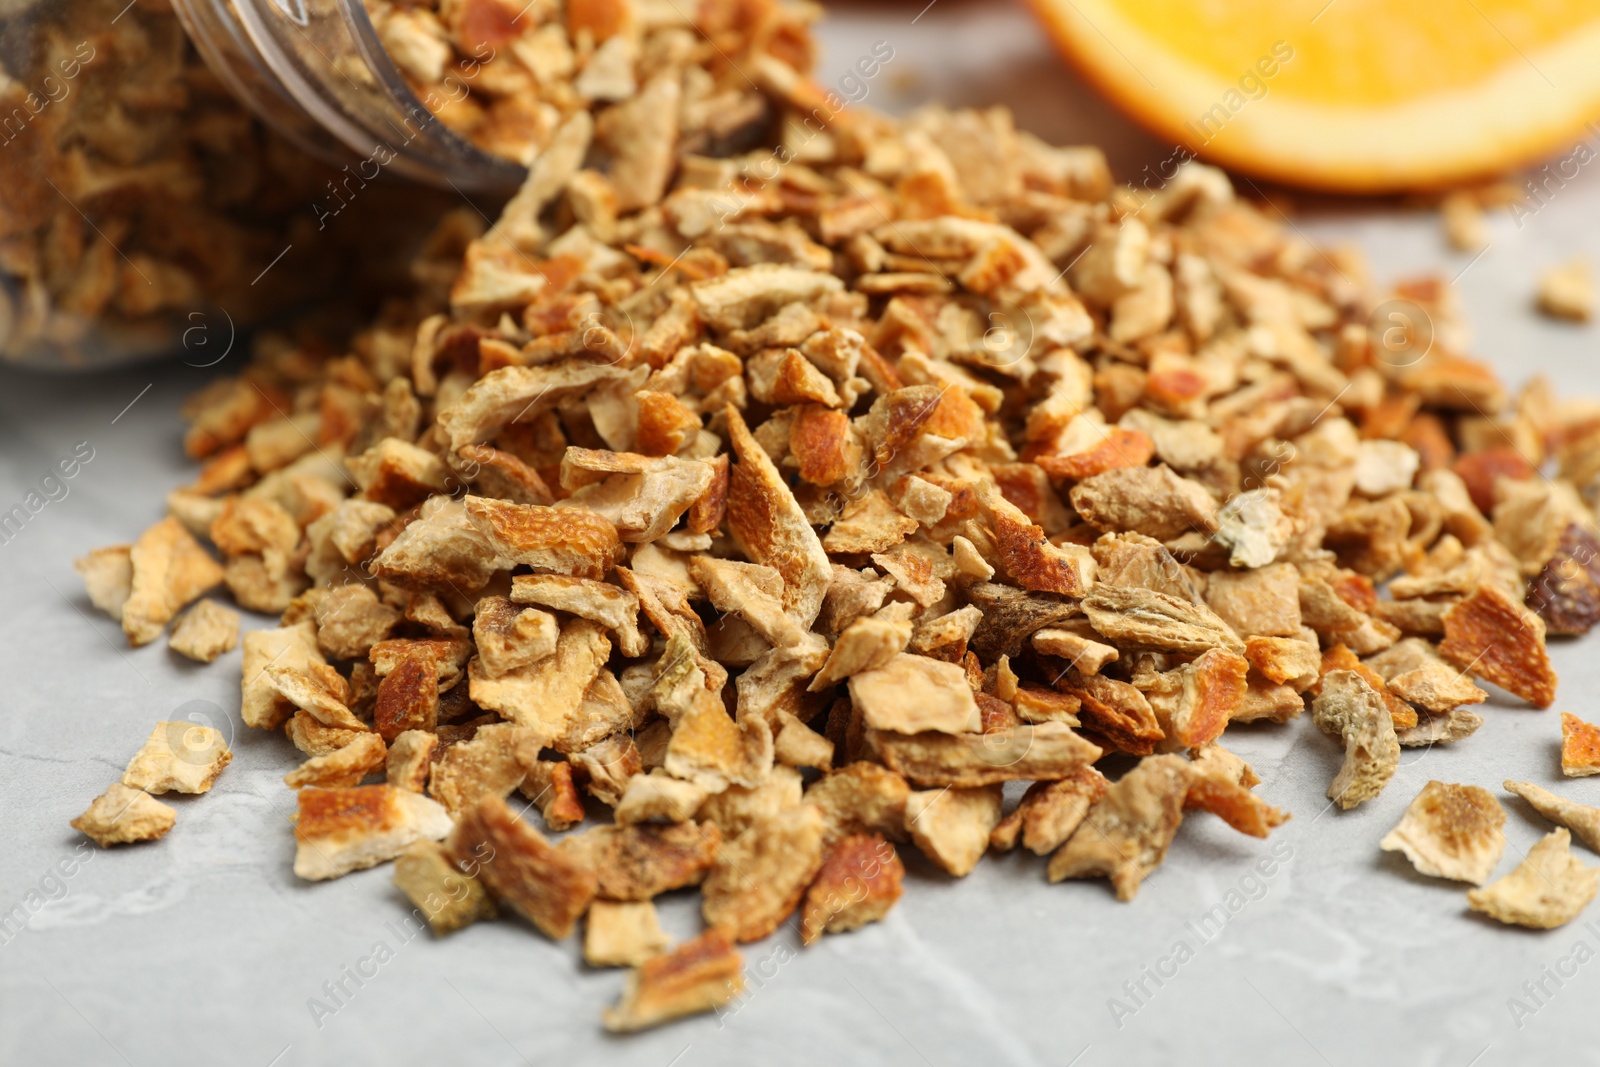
1340	658
622	934
770	526
122	815
1130	617
1234	804
570	541
205	632
1567	291
550	784
107	577
699	975
319	691
408	697
521	869
181	757
658	795
1441	729
342	830
1451	831
1050	812
1348	707
1502	642
1116	712
492	763
1580	746
1084	655
410	758
913	693
616	609
344	767
1126	833
760	876
1581	819
1214	761
858	882
1049	750
952	826
315	738
543	695
169	570
642	862
1195	701
1547	889
448	896
861	798
1566	592
1426	681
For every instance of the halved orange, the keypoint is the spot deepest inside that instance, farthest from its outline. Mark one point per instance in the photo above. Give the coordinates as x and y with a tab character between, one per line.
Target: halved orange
1348	95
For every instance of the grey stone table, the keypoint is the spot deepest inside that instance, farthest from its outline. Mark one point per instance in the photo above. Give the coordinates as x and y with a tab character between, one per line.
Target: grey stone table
205	949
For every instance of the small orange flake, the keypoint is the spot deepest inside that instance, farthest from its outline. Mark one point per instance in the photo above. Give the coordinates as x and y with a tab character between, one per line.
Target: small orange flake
408	696
228	469
324	811
1580	747
1502	642
1389	417
1116	712
1340	658
1234	805
907	414
602	18
956	416
821	443
1456	383
1480	470
1033	562
1174	387
1121	448
1277	658
963	495
1220	683
884	375
562	808
1356	590
1427	434
1020	484
996	714
665	423
565	540
859	882
706	513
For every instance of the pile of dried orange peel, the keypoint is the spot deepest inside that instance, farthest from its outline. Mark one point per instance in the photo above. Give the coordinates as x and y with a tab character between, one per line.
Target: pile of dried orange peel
755	509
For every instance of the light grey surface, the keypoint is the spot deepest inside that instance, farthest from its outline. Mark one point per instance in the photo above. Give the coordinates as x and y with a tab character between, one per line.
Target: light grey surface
205	949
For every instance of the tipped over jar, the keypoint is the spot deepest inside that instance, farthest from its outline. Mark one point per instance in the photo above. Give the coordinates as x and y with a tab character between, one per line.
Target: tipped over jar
172	170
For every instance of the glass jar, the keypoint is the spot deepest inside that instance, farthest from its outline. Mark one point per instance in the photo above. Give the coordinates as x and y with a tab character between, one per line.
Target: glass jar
317	72
168	163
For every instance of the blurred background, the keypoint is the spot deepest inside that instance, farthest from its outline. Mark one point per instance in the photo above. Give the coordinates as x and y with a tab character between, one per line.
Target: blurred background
1530	205
137	191
981	53
1348	96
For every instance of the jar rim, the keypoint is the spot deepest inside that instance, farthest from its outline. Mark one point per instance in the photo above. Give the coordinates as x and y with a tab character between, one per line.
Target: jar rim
348	107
